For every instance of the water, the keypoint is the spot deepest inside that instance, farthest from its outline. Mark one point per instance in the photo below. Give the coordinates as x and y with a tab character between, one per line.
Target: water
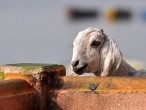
40	31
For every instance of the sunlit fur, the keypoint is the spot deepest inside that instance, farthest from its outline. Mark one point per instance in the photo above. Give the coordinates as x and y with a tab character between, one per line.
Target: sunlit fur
103	60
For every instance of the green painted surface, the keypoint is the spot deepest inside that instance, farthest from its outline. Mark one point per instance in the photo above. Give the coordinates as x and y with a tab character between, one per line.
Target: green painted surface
1	75
29	67
32	64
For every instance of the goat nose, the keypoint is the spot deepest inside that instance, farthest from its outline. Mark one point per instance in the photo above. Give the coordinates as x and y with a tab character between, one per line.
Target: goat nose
75	63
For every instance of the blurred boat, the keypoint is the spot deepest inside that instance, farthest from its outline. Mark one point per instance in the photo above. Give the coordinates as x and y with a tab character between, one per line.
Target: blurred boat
118	14
76	13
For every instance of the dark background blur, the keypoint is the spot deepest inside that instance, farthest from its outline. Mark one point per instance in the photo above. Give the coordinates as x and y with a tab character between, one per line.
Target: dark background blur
42	31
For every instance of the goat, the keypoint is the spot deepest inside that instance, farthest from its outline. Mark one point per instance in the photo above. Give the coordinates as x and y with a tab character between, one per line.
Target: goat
94	52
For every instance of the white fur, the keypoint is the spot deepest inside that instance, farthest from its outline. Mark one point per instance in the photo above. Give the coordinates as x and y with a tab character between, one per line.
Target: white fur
103	60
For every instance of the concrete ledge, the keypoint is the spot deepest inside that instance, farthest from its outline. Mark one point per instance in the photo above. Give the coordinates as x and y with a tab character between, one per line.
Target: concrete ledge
17	95
14	87
44	87
92	93
11	70
31	72
37	75
77	100
101	84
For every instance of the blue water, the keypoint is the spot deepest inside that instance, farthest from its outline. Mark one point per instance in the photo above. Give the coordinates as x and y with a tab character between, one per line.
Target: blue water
41	32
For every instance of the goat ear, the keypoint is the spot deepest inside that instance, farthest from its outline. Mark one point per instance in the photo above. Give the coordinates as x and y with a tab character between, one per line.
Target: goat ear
102	32
111	57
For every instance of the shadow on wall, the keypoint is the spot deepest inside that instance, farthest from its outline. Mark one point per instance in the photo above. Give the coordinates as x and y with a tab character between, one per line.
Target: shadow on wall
56	83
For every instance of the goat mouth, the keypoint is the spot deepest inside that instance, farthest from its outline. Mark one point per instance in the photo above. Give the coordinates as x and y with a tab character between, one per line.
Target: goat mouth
80	70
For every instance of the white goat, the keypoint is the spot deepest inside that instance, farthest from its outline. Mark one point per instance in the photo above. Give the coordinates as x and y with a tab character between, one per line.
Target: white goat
94	52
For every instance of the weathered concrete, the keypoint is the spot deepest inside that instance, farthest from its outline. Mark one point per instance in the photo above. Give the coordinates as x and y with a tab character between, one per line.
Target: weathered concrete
96	93
101	84
17	95
30	68
50	90
37	75
77	100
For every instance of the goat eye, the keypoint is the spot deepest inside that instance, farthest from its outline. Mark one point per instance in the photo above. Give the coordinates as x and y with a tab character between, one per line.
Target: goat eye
95	43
